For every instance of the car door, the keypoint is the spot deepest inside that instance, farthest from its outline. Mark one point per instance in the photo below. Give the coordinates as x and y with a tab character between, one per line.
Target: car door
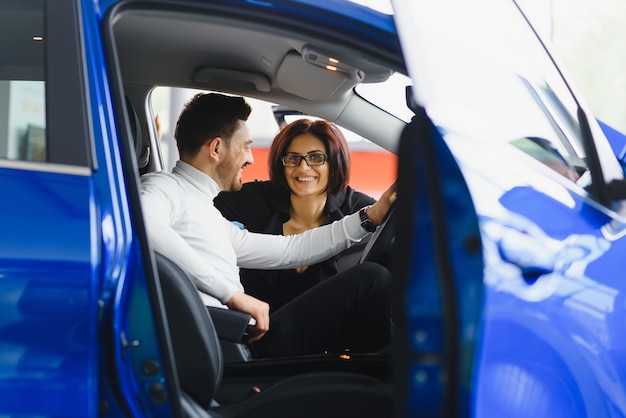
137	375
48	217
77	333
549	338
439	266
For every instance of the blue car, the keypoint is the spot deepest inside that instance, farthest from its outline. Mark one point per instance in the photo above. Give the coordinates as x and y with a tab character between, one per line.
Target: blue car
505	242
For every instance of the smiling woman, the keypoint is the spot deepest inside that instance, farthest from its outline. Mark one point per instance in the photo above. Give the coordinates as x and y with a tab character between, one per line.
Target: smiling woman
309	165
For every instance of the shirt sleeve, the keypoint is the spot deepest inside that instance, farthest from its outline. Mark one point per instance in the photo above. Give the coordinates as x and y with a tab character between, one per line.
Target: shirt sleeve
265	251
158	205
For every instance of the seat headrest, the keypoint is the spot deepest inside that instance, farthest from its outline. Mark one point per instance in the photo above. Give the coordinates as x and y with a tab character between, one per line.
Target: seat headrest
142	152
197	351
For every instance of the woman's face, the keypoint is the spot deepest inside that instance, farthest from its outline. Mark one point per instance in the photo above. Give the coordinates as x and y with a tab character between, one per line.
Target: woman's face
304	180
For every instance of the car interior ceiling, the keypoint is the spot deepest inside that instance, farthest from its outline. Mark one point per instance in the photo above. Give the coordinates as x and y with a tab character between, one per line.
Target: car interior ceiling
246	52
145	41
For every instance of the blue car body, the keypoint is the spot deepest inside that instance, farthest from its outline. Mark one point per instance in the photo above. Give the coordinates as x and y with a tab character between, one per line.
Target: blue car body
512	295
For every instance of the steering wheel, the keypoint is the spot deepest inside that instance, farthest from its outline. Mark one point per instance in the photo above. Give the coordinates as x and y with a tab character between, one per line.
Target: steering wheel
381	240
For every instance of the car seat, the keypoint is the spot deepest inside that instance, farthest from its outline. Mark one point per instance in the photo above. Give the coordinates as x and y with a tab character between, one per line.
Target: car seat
141	150
199	364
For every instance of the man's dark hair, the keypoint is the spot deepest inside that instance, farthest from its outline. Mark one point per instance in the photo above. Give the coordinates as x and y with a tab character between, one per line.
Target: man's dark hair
207	116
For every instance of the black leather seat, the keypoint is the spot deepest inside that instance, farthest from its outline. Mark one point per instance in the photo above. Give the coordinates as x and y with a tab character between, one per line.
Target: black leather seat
199	365
230	325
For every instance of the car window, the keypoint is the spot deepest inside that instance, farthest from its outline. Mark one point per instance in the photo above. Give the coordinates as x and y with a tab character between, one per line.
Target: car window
167	102
22	87
43	110
389	95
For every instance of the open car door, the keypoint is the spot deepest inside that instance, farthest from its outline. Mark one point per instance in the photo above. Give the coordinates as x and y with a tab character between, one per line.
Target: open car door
440	261
503	320
439	268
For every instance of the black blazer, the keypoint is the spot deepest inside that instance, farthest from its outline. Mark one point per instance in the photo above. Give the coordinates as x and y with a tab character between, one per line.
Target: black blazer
263	207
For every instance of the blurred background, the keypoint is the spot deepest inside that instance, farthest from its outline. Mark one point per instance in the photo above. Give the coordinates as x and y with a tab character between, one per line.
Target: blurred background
589	36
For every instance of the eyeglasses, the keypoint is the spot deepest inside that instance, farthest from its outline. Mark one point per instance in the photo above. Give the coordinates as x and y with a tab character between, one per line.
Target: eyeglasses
312	160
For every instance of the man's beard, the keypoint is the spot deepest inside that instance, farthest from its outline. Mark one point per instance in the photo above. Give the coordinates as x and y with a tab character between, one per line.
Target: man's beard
229	179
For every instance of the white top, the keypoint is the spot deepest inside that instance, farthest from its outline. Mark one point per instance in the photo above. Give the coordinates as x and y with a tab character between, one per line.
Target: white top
184	225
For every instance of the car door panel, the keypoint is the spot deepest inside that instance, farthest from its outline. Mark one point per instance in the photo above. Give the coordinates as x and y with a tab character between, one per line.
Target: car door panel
545	309
48	325
565	314
140	379
440	270
77	332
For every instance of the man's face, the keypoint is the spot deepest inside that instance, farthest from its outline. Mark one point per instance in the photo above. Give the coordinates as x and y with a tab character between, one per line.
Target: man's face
237	155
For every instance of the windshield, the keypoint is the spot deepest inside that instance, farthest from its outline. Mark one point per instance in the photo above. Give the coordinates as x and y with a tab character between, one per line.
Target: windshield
388	95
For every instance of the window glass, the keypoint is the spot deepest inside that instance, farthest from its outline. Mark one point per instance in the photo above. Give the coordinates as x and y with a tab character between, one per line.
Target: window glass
389	95
22	87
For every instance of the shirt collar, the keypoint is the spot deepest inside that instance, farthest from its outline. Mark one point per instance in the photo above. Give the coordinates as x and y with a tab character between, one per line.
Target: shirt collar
197	178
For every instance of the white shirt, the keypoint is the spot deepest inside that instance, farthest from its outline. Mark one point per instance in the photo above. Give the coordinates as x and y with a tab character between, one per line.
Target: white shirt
184	225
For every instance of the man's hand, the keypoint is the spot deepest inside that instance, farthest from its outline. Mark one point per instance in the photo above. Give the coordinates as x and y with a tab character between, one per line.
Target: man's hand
377	212
258	309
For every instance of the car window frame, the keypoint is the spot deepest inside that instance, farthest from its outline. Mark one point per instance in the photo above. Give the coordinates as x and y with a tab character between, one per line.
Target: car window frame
68	128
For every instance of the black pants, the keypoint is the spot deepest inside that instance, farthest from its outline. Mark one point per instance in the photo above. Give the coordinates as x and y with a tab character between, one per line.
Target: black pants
351	310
